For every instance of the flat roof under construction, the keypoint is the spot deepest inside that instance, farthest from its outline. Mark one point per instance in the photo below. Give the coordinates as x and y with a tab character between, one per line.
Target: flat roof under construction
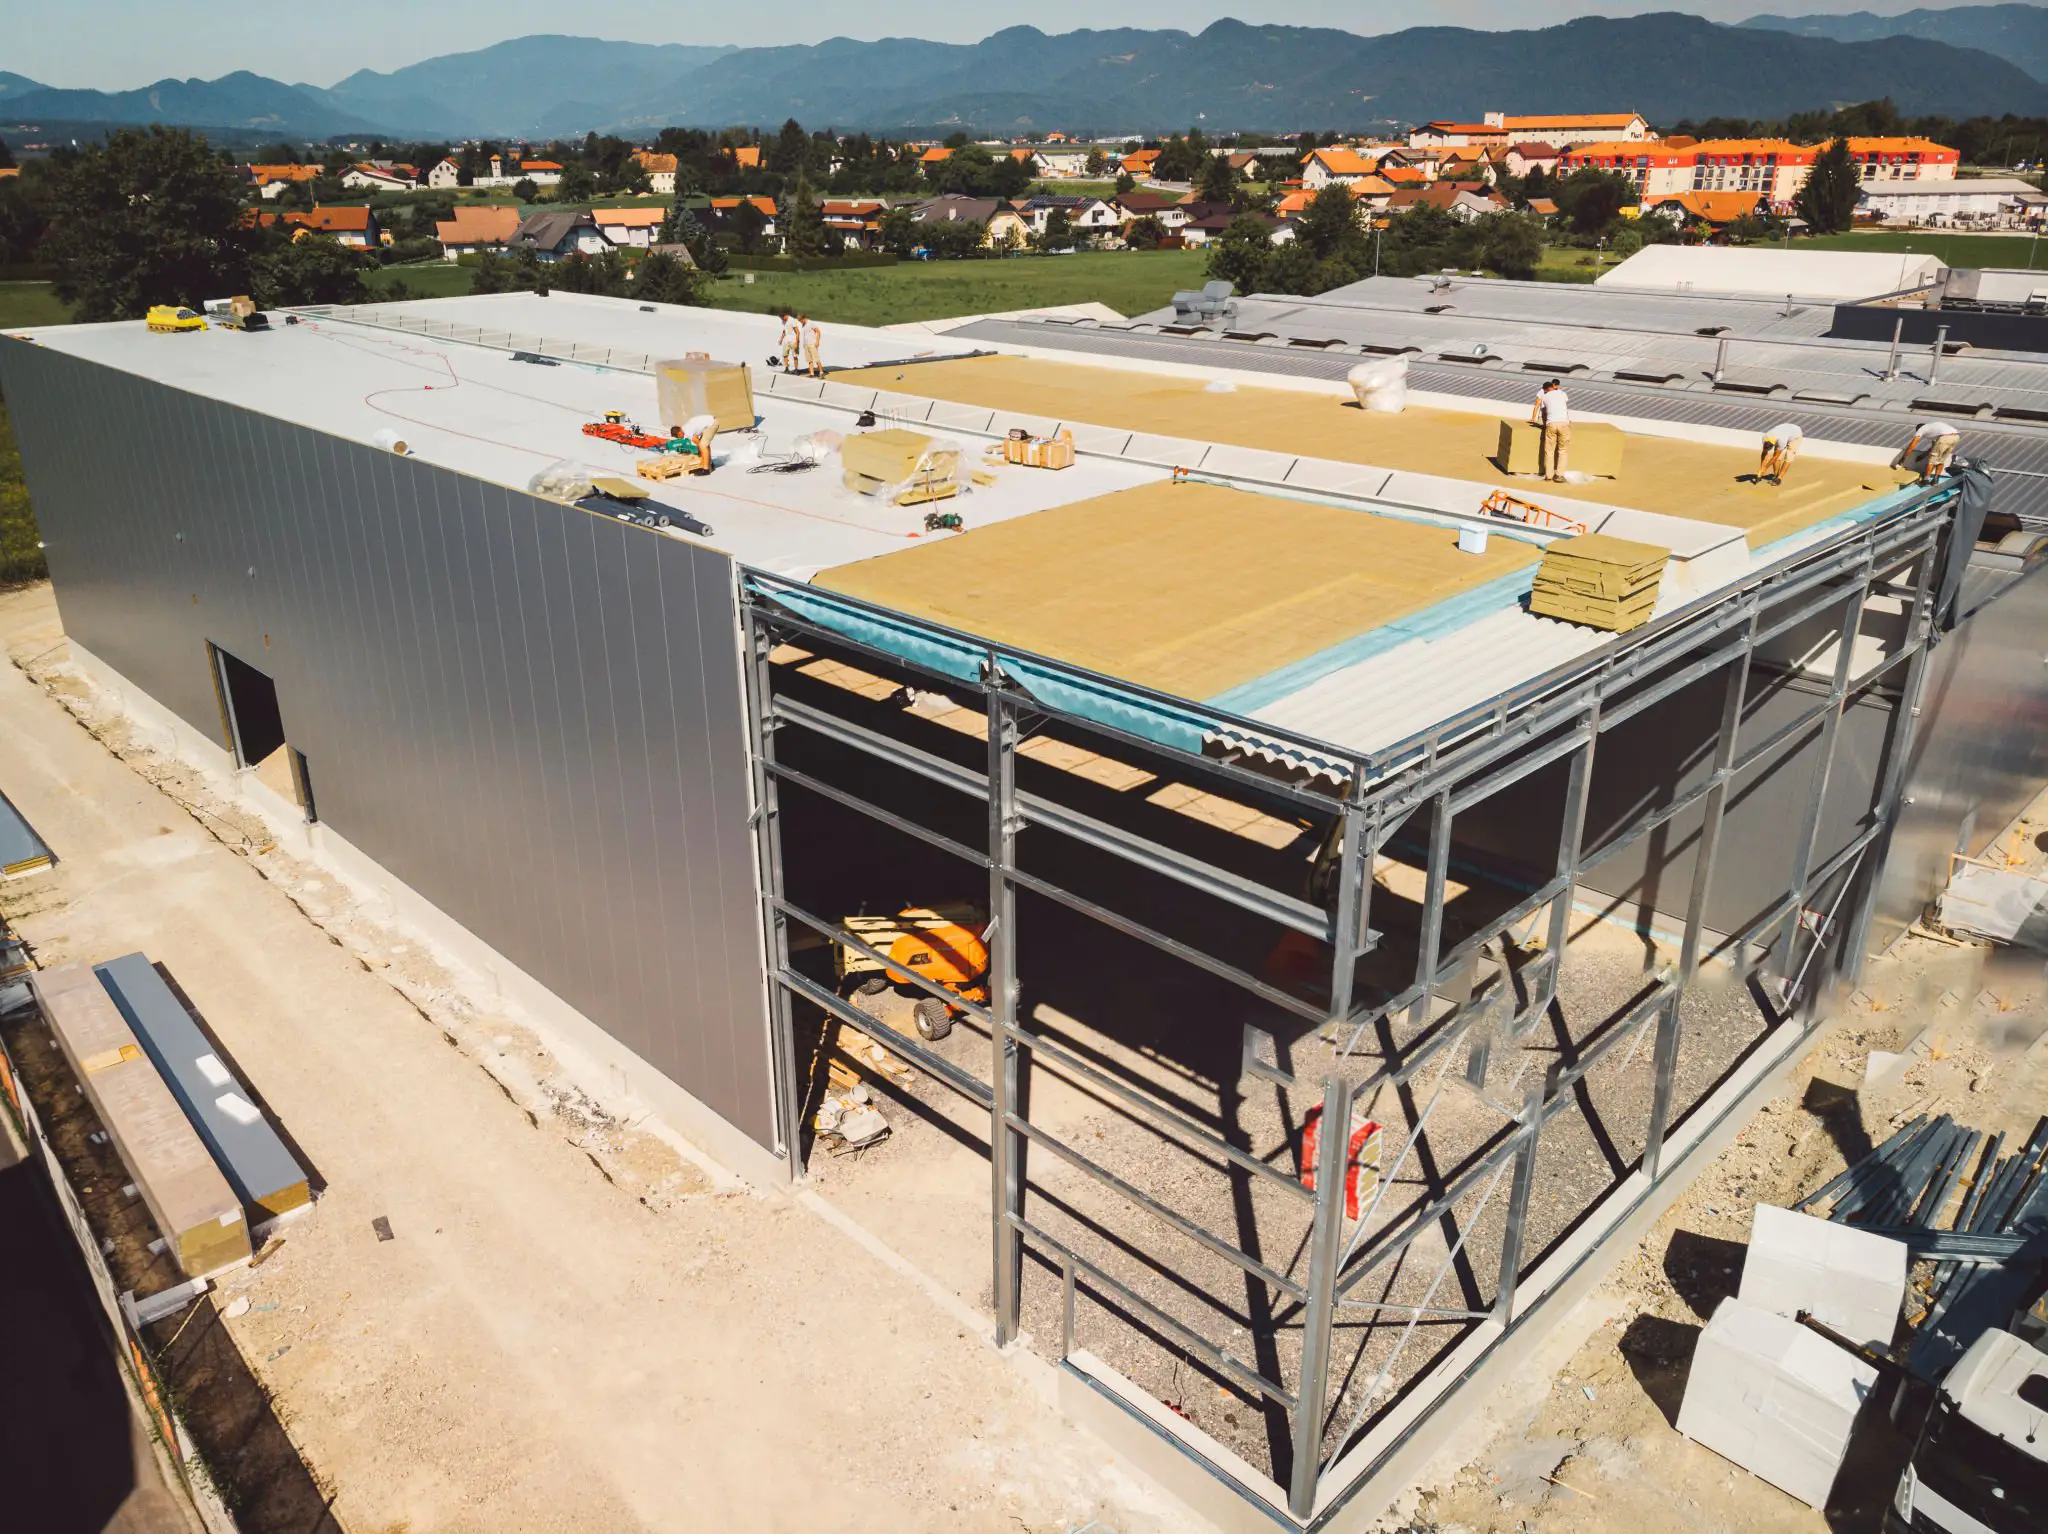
1703	481
1309	579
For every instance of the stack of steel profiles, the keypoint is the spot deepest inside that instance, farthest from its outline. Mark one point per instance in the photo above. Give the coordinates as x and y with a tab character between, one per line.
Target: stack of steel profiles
1985	1257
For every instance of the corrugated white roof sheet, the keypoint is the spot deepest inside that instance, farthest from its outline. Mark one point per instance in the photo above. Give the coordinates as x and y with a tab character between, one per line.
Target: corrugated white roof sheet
1846	275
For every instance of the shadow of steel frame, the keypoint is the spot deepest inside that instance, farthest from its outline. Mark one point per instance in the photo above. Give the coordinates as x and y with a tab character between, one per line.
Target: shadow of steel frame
1448	768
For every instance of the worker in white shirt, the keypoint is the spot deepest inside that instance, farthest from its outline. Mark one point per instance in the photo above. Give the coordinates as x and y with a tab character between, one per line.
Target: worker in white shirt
792	341
1553	414
699	431
1932	447
1781	446
813	338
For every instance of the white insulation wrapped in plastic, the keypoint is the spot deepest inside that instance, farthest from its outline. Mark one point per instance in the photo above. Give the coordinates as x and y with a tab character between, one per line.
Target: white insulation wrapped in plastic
1381	384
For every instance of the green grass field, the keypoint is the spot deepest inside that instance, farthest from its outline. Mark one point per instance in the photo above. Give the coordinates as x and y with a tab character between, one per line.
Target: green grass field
30	303
1956	249
425	279
1129	281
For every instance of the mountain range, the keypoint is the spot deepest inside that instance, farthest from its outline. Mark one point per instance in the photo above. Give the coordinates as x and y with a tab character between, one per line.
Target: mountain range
2016	33
1230	76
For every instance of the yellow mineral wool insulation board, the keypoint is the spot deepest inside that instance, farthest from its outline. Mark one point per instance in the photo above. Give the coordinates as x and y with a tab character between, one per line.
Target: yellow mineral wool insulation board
1595	448
1682	479
1191	589
195	1210
693	386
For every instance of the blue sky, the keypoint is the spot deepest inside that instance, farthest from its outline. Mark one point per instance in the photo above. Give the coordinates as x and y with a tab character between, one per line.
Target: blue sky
120	44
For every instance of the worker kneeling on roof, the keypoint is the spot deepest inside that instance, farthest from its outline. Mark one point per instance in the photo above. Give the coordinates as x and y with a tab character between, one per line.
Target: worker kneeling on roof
1781	446
1932	448
698	432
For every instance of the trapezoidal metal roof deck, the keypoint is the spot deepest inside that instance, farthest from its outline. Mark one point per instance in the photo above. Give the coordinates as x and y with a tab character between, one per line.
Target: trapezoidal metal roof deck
1333	1349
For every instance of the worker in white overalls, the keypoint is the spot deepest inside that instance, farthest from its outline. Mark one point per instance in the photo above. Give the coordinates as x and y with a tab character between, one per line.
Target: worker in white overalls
813	339
1781	447
1932	447
700	430
1553	414
792	341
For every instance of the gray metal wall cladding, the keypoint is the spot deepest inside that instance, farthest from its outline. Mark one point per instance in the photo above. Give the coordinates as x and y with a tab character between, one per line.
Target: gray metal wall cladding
1981	750
529	714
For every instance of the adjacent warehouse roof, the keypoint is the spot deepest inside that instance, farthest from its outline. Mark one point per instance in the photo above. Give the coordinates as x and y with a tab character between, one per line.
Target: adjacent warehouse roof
1842	275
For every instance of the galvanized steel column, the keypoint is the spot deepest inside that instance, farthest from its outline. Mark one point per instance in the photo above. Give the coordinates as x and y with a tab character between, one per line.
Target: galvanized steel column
788	1088
1325	1251
1005	1145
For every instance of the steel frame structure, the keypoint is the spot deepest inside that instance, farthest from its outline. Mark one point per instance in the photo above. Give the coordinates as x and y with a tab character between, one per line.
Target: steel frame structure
1436	776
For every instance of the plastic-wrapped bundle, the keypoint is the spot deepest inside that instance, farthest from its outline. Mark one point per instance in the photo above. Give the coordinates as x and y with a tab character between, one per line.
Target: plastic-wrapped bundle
906	467
564	480
1381	384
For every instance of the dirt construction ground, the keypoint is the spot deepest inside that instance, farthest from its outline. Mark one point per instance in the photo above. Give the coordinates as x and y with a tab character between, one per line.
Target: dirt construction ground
574	1327
579	1324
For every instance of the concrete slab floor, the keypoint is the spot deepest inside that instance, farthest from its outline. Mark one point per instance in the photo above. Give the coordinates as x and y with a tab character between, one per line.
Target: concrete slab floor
573	1328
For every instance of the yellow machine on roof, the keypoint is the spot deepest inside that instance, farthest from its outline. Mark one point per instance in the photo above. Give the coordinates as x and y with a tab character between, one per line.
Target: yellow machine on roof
943	945
170	318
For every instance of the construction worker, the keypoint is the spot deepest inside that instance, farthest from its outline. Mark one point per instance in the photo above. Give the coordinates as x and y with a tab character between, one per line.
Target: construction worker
1933	445
1553	414
792	340
1781	446
700	430
813	339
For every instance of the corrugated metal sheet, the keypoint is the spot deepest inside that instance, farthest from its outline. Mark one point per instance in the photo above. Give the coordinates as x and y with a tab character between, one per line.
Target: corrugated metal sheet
529	714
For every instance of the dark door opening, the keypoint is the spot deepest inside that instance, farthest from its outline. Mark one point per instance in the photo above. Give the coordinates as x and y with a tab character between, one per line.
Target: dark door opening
248	701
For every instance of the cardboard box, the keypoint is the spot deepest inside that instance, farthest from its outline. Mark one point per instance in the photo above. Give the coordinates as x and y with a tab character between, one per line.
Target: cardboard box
1595	448
1845	1278
1774	1397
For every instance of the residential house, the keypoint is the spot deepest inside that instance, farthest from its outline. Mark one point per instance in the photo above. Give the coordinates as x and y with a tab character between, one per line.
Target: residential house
637	228
1320	167
954	209
1710	210
510	172
557	234
1531	154
1203	221
1007	227
723	208
379	178
1250	164
1167	207
1407	175
271	180
475	229
930	161
744	156
1465	201
1139	163
856	221
1471	163
445	176
1543	207
1060	164
356	227
1085	215
661	171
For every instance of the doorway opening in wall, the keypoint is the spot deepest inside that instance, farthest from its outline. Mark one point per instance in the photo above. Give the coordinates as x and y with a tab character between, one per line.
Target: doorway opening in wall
250	717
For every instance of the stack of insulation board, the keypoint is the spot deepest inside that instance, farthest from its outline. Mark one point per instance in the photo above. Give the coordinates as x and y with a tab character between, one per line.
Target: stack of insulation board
1606	583
694	386
906	467
197	1212
261	1169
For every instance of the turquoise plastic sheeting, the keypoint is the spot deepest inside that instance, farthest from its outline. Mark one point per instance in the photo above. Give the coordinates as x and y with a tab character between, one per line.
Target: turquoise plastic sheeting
1076	693
1431	622
916	644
